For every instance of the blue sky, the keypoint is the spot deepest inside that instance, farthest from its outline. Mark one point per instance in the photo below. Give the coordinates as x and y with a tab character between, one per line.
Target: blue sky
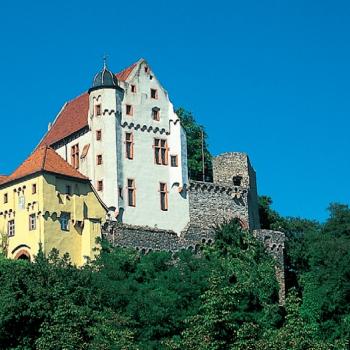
270	78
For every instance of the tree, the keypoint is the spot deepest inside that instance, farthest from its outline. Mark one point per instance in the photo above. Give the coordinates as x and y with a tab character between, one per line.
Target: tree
194	147
241	300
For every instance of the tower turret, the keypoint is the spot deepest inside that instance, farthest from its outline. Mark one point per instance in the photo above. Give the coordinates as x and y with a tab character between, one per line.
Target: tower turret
104	79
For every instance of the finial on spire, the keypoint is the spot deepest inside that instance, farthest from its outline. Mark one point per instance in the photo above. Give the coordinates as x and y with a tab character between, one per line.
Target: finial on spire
105	61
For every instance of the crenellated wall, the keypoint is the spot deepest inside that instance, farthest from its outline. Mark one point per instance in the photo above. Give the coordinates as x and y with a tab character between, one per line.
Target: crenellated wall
212	204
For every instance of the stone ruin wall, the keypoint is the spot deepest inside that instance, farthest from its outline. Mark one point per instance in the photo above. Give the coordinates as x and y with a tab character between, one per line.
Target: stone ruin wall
274	242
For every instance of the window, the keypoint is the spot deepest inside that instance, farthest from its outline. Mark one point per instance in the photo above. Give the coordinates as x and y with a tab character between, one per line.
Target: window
98	135
129	145
98	110
99	159
32	222
156	113
154	93
131	193
100	185
6	198
69	190
85	151
174	161
237	180
21	202
146	69
75	156
33	188
11	228
64	221
160	151
129	110
133	88
163	196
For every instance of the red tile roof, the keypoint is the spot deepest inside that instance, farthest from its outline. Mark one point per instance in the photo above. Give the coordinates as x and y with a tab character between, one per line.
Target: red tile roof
74	115
124	74
44	159
3	178
72	118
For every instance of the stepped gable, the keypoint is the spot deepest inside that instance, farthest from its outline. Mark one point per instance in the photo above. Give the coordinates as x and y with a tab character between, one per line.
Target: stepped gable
44	159
74	115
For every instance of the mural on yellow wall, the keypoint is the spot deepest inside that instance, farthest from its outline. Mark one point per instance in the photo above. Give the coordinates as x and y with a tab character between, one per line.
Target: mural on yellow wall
47	201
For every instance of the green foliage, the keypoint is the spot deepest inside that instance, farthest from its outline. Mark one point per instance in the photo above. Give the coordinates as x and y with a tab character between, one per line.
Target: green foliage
241	299
223	298
194	147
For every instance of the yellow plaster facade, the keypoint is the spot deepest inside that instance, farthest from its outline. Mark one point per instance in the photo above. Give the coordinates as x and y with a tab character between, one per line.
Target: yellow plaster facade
57	211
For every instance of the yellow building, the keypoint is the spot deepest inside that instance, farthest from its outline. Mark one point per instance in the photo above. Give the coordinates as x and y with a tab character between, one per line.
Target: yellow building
45	200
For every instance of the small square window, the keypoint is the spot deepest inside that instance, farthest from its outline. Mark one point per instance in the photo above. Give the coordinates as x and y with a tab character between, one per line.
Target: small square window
100	185
33	188
129	110
75	156
98	135
32	222
237	180
98	110
99	159
11	228
64	221
154	93
133	88
174	161
163	190
131	193
156	114
6	198
129	145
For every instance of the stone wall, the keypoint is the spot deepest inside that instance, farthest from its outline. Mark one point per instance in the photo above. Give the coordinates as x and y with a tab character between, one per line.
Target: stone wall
212	204
235	171
274	242
148	239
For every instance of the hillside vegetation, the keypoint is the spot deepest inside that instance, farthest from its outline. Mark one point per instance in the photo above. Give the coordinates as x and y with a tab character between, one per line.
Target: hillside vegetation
223	298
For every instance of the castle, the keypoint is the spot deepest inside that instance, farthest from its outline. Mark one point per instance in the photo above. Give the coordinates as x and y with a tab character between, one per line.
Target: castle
124	135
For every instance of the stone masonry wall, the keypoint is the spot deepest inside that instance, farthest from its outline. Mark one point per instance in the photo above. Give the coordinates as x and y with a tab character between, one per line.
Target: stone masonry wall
274	242
234	170
212	204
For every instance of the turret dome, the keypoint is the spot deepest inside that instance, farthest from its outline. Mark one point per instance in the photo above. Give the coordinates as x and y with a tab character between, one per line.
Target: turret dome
104	78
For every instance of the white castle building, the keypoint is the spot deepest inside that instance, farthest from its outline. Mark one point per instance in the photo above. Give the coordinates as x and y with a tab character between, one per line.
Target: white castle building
124	135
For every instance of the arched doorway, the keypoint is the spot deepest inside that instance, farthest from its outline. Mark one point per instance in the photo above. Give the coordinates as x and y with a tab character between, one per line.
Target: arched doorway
22	255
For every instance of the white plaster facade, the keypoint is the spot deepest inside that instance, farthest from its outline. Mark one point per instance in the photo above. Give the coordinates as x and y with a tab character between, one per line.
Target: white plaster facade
116	169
